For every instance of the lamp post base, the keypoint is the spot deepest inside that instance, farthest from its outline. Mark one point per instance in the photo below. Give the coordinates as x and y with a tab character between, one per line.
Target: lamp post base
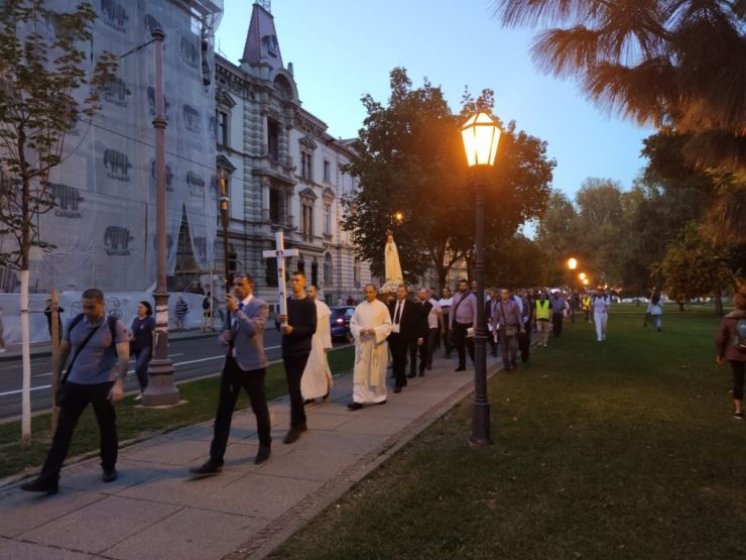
161	389
480	435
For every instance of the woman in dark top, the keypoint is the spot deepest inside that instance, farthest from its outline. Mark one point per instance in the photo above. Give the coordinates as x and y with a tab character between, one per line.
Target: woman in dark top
729	346
142	343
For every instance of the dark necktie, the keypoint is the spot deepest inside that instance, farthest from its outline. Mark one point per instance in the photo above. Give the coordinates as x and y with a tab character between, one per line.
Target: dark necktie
397	315
240	306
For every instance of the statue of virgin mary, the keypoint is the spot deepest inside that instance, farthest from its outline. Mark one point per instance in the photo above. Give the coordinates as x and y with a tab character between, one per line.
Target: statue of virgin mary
394	276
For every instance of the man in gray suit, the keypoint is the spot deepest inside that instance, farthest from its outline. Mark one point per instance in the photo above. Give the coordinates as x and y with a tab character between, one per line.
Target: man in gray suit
245	366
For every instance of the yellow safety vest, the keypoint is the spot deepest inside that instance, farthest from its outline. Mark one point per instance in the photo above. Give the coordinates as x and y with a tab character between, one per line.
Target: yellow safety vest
586	303
542	312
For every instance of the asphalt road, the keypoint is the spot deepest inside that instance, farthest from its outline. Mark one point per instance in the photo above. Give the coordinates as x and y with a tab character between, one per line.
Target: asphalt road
192	358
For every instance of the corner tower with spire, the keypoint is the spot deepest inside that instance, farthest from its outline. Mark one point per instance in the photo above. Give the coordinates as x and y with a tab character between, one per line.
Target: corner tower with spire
262	48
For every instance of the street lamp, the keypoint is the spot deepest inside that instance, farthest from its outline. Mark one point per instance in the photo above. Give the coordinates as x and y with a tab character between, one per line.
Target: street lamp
572	263
161	389
582	276
481	136
397	217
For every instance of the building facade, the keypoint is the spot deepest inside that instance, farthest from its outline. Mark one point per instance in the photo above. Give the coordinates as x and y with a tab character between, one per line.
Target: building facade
284	172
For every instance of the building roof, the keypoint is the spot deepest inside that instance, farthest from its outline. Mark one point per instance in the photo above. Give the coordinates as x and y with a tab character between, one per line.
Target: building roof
262	47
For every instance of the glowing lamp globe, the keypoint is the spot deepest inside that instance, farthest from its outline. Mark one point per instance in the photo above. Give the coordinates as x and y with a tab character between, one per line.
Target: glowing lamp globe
572	264
481	137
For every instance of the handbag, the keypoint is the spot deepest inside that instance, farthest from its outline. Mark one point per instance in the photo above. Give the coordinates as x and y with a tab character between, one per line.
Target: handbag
510	330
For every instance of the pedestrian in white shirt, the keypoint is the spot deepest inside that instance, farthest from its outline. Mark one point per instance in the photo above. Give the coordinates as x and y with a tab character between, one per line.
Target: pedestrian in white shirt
600	306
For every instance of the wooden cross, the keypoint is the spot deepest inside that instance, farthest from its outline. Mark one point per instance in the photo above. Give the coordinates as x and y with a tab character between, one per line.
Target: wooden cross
280	253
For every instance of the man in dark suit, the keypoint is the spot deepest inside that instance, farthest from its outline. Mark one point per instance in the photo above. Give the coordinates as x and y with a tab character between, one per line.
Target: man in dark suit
245	366
297	328
406	335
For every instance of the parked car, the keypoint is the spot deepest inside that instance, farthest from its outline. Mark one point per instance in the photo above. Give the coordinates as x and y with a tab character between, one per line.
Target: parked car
340	322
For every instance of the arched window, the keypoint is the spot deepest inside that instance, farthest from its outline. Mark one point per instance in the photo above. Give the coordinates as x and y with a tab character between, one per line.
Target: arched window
328	270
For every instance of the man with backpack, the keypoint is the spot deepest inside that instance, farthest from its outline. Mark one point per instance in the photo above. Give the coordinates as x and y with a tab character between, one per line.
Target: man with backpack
731	346
100	346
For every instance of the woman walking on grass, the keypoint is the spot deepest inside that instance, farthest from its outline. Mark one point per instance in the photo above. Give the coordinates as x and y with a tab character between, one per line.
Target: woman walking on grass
731	346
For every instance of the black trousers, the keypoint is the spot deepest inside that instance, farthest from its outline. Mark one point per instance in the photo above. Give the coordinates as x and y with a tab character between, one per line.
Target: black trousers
557	319
524	342
294	366
738	371
401	347
428	349
74	399
463	342
231	383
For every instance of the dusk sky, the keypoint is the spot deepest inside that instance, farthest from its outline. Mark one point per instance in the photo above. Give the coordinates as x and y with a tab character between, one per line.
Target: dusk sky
342	49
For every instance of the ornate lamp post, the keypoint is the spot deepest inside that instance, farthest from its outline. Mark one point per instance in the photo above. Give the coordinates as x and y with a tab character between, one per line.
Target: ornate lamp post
481	137
161	389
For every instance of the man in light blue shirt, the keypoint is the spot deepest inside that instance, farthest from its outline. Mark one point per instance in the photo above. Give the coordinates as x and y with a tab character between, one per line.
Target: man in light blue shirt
99	364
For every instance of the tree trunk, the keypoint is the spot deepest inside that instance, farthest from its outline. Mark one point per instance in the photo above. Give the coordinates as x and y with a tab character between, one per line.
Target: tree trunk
681	305
26	356
719	303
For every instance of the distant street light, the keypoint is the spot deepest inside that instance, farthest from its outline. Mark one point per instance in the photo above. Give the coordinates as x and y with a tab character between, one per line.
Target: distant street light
582	276
398	217
481	137
572	263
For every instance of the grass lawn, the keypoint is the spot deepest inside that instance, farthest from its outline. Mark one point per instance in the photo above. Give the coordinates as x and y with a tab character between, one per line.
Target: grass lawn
618	450
135	422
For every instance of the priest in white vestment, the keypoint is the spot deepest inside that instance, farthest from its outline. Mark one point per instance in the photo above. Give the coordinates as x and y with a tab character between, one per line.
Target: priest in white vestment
370	326
317	377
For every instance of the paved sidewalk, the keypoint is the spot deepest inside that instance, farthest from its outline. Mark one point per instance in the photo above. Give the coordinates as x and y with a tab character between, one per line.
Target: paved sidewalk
154	511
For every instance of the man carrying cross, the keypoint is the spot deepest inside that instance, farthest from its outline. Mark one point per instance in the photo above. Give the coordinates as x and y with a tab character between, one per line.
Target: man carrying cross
297	328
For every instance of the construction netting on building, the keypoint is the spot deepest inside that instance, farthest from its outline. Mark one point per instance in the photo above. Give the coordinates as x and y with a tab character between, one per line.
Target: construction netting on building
103	224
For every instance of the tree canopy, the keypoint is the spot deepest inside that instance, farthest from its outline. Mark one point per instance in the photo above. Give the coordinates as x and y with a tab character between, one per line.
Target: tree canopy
44	92
676	64
410	159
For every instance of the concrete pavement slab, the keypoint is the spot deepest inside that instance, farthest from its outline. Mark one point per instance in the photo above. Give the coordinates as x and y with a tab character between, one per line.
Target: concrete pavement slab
20	512
303	464
100	525
177	487
190	534
260	496
87	476
16	550
178	451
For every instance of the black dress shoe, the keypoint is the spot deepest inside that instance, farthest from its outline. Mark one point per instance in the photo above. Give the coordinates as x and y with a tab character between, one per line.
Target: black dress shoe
262	455
382	402
40	484
460	369
354	406
411	375
110	475
293	434
309	401
422	374
209	468
397	389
